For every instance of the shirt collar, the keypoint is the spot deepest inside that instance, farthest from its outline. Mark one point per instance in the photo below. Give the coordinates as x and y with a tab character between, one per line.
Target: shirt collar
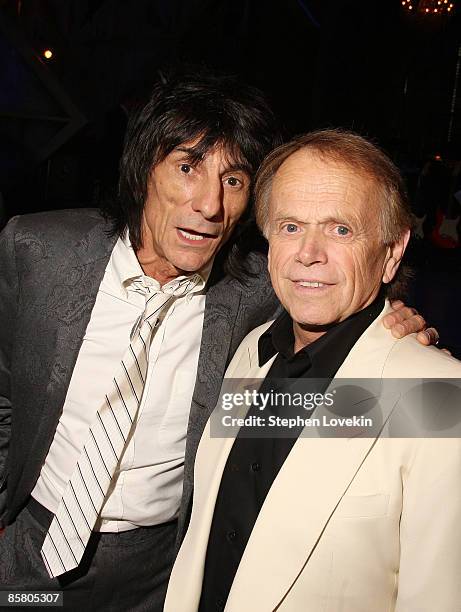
127	269
279	337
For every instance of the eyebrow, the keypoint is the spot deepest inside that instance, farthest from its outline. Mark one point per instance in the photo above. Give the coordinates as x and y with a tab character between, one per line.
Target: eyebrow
336	219
188	150
233	166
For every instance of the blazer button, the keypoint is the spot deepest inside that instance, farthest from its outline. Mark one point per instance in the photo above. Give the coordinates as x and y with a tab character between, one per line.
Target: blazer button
255	466
231	535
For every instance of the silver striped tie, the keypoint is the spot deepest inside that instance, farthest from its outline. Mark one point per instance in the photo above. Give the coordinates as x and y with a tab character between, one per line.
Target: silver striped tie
88	487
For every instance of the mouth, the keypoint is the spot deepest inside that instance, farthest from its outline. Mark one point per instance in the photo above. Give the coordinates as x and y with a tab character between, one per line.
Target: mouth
193	236
311	284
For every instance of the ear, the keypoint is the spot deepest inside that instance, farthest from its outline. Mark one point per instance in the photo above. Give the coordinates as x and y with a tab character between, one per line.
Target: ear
394	257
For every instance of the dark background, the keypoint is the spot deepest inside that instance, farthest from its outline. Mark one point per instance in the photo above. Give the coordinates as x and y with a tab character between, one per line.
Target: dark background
375	66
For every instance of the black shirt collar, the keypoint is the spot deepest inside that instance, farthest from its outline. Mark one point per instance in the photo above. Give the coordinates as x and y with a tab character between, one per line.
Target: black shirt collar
329	351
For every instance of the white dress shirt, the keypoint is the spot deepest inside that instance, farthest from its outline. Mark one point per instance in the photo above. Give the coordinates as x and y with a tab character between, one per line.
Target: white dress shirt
147	489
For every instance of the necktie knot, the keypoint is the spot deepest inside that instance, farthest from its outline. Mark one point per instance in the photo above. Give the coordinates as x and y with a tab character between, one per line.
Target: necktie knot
157	301
180	287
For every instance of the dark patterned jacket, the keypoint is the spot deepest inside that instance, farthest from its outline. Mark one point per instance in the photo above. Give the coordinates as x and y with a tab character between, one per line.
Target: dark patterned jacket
51	266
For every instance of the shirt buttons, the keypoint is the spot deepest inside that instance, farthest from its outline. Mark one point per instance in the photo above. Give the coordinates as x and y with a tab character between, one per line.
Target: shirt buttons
231	535
255	466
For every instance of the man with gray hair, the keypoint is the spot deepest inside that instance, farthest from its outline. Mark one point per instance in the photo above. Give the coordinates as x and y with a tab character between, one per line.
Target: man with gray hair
300	521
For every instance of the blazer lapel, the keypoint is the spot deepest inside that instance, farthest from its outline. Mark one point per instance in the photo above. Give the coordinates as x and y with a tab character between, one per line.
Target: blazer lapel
218	326
72	299
211	460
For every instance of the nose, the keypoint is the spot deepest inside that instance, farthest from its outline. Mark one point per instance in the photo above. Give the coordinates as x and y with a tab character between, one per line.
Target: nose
209	200
312	247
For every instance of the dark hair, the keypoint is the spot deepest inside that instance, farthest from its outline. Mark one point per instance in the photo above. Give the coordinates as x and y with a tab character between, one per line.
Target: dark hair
204	108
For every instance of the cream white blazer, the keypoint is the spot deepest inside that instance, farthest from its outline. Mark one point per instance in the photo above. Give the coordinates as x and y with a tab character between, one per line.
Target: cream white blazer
349	525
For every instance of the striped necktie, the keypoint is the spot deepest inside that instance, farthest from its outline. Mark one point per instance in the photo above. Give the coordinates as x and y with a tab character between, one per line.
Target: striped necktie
87	489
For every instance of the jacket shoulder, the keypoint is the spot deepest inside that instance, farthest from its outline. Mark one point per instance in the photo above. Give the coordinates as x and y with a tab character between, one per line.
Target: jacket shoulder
44	246
408	358
66	224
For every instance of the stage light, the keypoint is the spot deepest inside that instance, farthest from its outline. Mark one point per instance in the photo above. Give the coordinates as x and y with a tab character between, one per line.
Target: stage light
437	8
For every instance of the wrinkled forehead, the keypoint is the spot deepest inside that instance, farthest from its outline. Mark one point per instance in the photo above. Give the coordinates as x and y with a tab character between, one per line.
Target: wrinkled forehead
305	177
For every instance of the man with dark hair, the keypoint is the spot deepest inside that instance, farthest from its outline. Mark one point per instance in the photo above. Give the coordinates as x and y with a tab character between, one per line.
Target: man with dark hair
330	509
115	336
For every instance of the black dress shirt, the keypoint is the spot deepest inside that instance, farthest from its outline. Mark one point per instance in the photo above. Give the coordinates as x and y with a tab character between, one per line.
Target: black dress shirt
253	463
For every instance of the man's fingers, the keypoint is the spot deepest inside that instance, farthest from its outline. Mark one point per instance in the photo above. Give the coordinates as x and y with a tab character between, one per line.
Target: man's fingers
414	324
408	326
432	334
408	313
424	338
428	336
404	321
391	319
